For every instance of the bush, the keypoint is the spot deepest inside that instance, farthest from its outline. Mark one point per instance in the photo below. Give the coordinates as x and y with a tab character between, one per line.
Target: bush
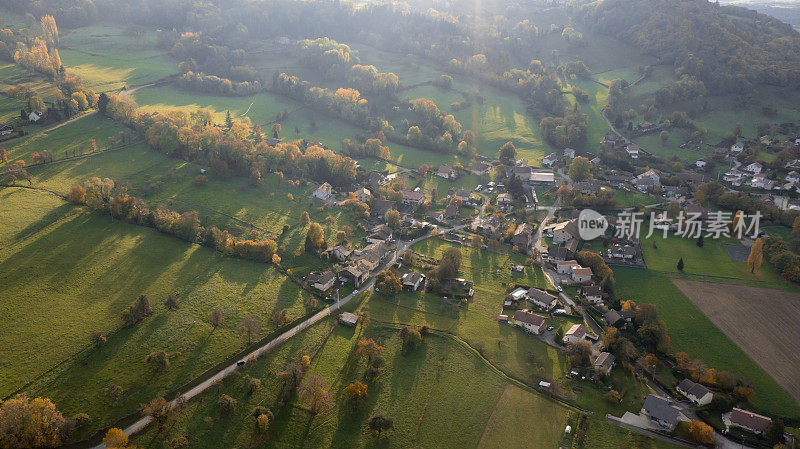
227	405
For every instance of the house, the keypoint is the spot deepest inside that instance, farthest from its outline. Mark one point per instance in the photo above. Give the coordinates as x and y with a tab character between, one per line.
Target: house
660	412
446	172
732	175
792	176
700	163
376	179
559	253
586	187
380	233
452	212
632	150
504	199
529	322
647	180
491	226
413	198
522	237
321	281
581	274
35	116
604	363
755	167
463	194
698	394
339	252
613	318
480	168
5	130
765	140
323	192
565	266
541	298
760	181
625	252
575	334
565	231
522	172
412	280
593	294
749	421
569	153
737	148
348	319
380	207
354	274
793	165
436	217
550	160
363	195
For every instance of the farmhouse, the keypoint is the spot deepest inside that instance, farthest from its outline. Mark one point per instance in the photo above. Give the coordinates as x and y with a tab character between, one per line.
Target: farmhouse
660	413
376	179
363	195
446	172
760	181
586	187
339	252
35	116
593	294
569	153
746	420
647	180
463	194
380	207
412	280
755	167
355	274
452	211
480	168
604	363
380	233
565	231
792	176
695	392
565	266
550	160
737	147
541	298
581	274
530	322
522	238
323	192
321	281
559	253
348	319
504	199
633	150
575	334
412	198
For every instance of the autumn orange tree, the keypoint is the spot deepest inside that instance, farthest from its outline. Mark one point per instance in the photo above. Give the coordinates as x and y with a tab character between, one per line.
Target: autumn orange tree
700	432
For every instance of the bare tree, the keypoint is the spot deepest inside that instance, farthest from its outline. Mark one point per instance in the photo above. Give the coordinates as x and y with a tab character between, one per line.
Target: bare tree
249	328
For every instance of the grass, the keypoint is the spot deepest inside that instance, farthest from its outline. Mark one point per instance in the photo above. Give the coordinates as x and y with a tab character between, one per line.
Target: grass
693	333
712	261
88	268
436	383
74	137
109	57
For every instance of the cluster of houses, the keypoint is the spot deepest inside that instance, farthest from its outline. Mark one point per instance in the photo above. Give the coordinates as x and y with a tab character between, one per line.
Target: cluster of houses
359	264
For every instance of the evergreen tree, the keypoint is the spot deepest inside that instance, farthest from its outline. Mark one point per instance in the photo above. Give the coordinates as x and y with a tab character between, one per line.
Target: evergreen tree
680	264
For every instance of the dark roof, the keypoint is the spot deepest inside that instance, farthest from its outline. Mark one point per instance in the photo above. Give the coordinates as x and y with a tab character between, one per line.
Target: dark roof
592	290
413	195
658	408
380	232
527	317
451	210
612	317
559	252
320	278
623	250
692	388
541	296
750	420
605	359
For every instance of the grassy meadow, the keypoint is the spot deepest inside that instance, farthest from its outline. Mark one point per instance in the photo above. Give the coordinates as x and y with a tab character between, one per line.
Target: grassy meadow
88	268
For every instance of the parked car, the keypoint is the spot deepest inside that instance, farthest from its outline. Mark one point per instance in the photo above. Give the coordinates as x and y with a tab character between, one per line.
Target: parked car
560	290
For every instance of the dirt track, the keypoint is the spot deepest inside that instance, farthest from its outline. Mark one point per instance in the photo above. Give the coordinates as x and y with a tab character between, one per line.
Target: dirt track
761	321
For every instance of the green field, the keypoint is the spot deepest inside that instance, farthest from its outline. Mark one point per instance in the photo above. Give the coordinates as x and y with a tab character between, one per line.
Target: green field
711	262
87	268
109	57
693	333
